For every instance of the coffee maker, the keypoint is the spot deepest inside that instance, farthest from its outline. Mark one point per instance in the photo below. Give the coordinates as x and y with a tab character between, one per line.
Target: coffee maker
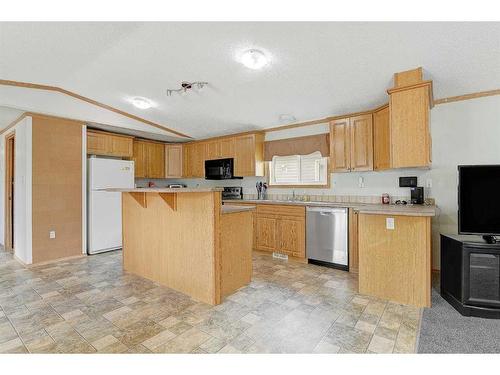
417	195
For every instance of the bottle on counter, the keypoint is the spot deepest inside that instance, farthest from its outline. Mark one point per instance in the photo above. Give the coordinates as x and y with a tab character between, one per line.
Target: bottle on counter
386	199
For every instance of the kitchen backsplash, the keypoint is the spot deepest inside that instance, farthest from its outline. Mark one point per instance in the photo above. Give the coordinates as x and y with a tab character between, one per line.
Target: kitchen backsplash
344	187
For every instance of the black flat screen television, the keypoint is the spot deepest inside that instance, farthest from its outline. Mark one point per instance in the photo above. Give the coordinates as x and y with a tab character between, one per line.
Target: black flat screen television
479	199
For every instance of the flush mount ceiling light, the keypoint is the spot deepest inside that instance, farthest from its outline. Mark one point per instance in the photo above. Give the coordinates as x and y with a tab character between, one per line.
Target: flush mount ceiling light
254	59
141	103
187	86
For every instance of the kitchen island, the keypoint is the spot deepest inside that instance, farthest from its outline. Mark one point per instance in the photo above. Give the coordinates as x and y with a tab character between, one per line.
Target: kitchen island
186	240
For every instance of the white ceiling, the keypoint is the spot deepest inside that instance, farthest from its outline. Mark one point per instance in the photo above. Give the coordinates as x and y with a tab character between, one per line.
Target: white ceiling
316	69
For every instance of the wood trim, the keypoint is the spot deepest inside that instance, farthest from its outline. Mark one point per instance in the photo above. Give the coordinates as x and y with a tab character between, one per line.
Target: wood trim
261	131
170	199
474	95
36	86
13	123
9	174
140	198
217	259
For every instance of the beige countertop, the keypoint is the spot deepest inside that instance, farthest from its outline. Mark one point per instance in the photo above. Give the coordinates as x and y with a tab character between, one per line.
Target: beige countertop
230	209
163	190
384	209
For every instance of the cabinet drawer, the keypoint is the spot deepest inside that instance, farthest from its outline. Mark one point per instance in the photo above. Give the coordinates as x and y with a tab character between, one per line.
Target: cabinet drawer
281	210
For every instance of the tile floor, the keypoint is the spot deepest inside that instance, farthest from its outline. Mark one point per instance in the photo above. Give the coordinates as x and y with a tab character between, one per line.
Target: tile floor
90	305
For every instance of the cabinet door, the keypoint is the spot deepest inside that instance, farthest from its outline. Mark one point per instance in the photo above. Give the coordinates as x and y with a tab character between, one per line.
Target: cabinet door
340	155
381	140
265	233
173	161
244	155
140	159
198	160
291	236
98	143
156	160
212	150
226	148
409	125
121	146
361	143
188	150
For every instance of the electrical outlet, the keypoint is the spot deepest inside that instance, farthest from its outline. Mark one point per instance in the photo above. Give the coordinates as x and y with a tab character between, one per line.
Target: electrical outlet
52	234
389	223
361	182
428	183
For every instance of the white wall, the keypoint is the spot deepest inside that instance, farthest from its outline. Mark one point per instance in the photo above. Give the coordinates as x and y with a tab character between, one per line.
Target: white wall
22	190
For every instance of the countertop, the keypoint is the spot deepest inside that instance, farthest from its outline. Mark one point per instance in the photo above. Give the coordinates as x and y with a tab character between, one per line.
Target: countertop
231	209
391	209
163	190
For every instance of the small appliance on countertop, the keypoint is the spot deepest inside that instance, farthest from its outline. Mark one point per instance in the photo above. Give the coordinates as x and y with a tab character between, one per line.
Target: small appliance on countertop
232	192
417	195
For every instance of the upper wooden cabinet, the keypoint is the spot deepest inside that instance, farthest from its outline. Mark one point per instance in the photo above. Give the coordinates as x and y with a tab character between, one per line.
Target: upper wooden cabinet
149	159
226	148
409	108
173	161
249	155
381	139
351	144
194	159
340	145
109	144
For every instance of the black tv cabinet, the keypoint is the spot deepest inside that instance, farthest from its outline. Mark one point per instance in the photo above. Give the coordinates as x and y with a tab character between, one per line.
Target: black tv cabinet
470	275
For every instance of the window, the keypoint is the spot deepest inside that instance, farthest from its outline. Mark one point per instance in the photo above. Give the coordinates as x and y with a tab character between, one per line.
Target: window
309	169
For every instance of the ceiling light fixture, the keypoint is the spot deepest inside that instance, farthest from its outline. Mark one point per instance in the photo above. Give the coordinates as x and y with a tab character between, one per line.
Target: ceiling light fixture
141	103
254	59
187	86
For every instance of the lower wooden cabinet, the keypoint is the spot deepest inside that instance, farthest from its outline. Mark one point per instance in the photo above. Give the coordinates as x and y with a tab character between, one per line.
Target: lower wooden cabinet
395	262
280	229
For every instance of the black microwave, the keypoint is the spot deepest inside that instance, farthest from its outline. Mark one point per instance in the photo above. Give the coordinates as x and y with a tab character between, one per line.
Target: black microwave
219	169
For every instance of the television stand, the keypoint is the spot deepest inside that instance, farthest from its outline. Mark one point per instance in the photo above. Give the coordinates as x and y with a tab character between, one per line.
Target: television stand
470	275
490	239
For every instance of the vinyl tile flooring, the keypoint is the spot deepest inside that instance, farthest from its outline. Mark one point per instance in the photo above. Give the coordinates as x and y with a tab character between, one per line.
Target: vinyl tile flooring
90	305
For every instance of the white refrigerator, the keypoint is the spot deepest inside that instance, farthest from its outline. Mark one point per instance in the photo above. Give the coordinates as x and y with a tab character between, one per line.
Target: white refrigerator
104	229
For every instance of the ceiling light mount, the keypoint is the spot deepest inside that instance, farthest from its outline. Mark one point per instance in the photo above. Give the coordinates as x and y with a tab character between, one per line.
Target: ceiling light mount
254	59
187	86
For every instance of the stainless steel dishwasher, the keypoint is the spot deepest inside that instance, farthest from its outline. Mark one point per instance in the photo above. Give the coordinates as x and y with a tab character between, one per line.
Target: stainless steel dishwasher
326	236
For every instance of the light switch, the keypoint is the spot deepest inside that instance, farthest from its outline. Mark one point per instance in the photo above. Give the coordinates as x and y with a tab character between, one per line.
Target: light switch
52	234
389	223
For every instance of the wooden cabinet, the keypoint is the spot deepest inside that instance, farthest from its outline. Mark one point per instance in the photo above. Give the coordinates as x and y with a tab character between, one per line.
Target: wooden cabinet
194	159
395	264
109	144
353	241
248	155
351	144
280	229
265	232
226	148
361	133
212	150
149	159
409	108
381	139
140	159
173	161
340	145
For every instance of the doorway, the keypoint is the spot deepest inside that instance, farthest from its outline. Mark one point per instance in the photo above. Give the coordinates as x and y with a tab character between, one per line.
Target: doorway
9	191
